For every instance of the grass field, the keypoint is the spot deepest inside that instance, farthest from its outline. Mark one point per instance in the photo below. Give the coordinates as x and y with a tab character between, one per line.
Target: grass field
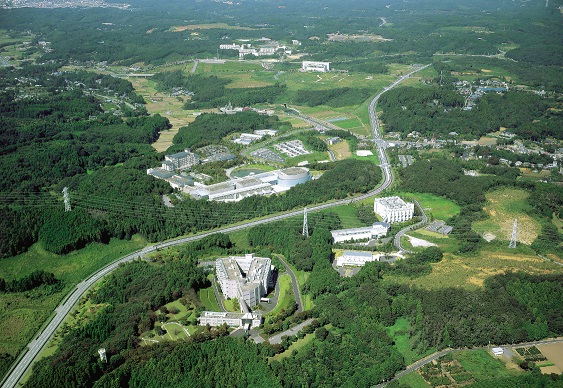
503	206
207	297
348	216
437	207
166	106
403	343
286	294
297	345
482	365
471	272
414	380
22	314
341	150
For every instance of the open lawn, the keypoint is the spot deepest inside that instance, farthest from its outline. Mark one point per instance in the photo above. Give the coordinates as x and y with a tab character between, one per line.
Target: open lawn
286	294
297	345
503	206
471	272
341	150
434	206
22	314
348	215
403	343
414	380
482	365
207	297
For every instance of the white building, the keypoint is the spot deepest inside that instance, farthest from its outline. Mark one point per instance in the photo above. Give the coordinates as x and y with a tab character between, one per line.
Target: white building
266	183
246	278
217	318
181	160
321	67
378	229
393	209
355	258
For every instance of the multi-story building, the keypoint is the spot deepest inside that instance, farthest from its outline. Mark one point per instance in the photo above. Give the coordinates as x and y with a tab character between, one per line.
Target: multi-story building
181	160
246	278
321	67
393	209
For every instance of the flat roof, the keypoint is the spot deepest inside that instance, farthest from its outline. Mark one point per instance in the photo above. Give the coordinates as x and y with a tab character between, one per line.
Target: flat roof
358	253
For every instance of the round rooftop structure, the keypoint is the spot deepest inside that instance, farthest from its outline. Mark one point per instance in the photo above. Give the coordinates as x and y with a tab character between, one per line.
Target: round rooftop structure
289	177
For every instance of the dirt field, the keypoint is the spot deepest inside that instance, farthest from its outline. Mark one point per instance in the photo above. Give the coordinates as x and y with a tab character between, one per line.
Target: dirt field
341	150
554	353
166	106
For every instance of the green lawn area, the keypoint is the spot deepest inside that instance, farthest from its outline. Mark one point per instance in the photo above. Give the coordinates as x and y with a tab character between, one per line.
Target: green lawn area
372	158
286	294
297	345
482	365
414	380
399	332
231	305
22	314
207	297
437	207
348	216
183	313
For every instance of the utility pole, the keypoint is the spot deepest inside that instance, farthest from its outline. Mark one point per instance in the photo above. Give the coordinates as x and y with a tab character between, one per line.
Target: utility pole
513	238
305	224
66	197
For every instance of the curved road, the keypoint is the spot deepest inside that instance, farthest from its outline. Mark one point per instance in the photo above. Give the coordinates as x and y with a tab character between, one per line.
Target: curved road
28	355
294	283
404	231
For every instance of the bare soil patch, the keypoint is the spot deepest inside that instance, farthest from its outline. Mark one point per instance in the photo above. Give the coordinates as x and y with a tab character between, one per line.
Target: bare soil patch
342	150
554	353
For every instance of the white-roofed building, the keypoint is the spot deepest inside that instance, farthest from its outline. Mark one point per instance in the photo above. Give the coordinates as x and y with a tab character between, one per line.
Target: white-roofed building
246	278
393	209
378	229
321	67
217	318
355	258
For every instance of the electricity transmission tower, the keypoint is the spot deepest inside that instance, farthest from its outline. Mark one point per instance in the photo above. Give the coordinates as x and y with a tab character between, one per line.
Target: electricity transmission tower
513	238
66	197
305	225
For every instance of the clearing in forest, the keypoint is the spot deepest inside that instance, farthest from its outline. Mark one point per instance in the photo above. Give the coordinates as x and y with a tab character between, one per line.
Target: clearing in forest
167	106
503	206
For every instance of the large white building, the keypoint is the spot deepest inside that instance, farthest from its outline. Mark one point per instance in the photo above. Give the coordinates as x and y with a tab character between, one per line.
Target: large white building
246	278
393	209
217	318
321	67
266	183
355	258
378	229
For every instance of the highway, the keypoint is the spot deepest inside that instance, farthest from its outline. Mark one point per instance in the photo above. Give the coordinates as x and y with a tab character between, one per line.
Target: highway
29	354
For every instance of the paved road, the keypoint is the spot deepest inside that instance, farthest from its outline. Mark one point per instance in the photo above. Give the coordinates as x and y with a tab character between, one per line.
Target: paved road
294	283
420	363
276	339
29	354
402	232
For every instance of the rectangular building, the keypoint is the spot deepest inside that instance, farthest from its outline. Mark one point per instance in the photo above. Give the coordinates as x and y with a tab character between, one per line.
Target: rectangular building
393	209
322	67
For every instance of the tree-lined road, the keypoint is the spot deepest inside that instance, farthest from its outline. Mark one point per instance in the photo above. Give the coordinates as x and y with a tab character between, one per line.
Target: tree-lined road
33	349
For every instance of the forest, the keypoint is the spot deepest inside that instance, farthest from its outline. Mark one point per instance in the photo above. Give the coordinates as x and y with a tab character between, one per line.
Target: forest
432	112
351	320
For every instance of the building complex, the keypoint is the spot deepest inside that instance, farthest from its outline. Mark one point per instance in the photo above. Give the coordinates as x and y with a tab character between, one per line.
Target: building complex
246	278
377	230
266	183
393	209
322	67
